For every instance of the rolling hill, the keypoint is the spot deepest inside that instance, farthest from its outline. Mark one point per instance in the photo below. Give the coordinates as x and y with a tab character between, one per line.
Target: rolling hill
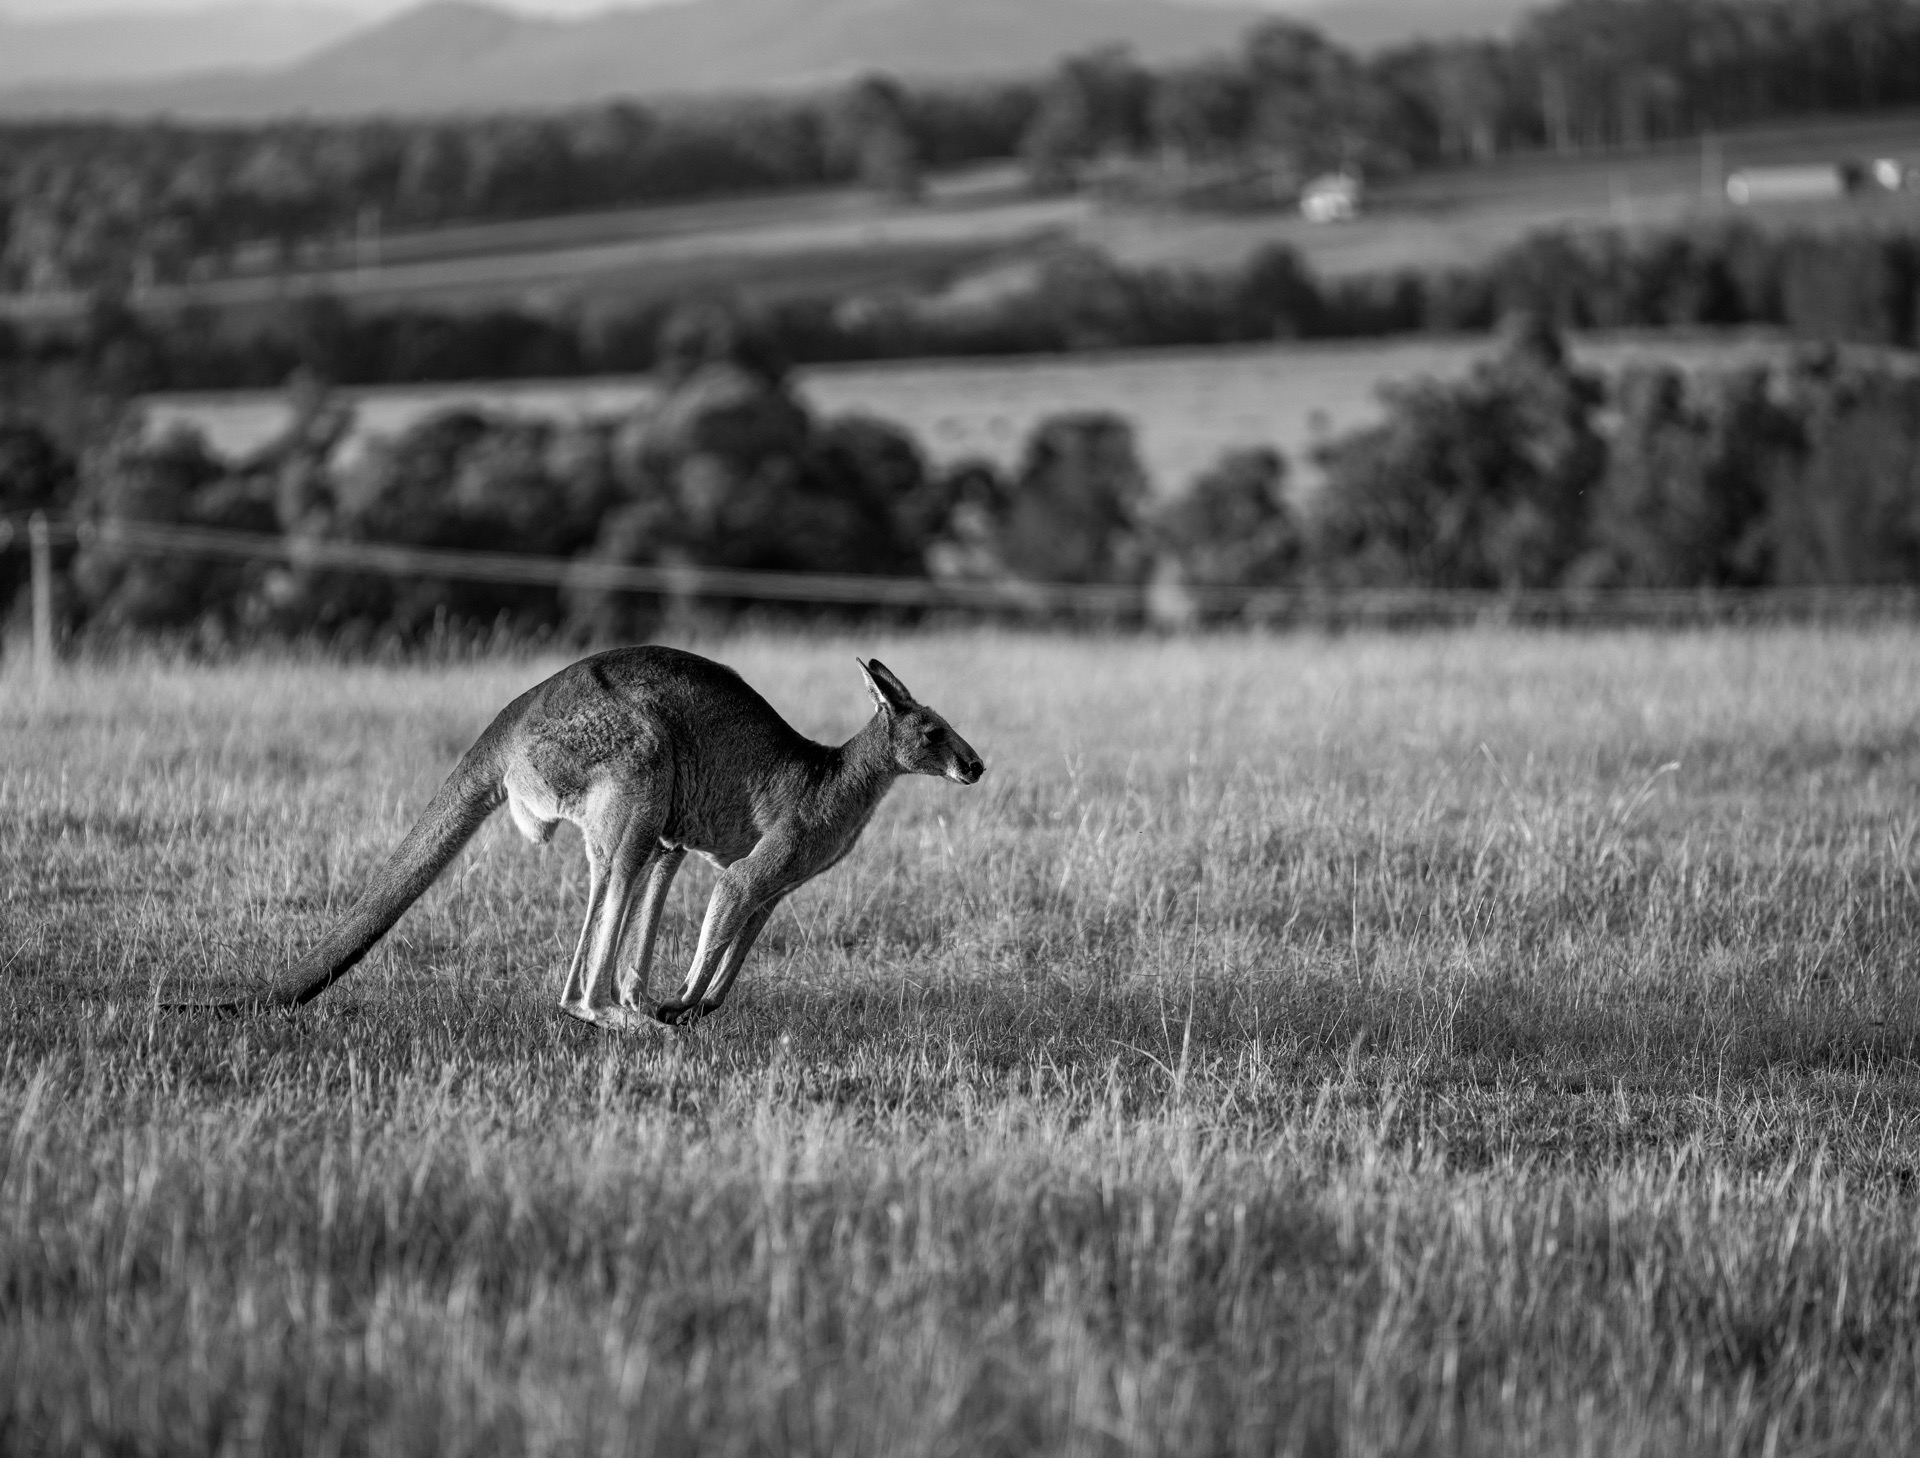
90	49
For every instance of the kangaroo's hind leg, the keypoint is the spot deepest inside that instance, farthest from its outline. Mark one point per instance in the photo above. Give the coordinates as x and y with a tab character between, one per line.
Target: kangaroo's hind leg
596	1003
570	994
653	900
623	837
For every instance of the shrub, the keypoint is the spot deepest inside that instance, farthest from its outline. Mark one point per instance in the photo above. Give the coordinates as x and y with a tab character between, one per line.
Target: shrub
35	475
1073	515
1479	483
729	468
1858	288
1690	466
176	480
1233	527
1276	297
1851	513
965	509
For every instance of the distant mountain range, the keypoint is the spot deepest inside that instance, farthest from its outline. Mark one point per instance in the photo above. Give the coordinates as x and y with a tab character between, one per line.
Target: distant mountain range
463	55
83	50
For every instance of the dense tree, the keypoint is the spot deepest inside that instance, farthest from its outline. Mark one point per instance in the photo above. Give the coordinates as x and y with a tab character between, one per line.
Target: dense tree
872	136
1476	483
179	480
1850	513
1859	287
1691	468
1202	112
1311	102
1096	105
1455	101
1075	512
1627	71
1234	526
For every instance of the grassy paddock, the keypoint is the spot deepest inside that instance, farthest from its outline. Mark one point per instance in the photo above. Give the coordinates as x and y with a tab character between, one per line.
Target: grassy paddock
1477	1042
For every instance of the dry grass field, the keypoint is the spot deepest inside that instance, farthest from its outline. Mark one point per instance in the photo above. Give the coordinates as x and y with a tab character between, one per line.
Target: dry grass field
1444	1043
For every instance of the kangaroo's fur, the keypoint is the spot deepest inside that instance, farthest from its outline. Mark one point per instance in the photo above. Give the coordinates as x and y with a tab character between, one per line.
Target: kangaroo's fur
653	752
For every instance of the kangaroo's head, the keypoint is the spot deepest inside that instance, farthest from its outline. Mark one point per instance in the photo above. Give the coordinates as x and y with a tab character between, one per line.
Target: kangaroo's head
922	742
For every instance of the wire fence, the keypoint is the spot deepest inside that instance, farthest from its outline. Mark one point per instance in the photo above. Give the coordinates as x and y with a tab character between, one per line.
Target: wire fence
677	580
1168	604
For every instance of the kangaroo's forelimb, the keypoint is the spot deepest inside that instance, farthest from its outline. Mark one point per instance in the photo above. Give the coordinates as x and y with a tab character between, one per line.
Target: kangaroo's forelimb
685	1009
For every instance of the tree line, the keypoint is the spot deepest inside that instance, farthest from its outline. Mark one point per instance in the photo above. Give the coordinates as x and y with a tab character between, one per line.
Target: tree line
1850	287
96	205
99	205
1581	74
1526	472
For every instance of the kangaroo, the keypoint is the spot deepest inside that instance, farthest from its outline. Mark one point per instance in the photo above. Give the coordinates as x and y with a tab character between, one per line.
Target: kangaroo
653	752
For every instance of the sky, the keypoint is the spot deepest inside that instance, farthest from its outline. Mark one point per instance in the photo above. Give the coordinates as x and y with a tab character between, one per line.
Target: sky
374	9
55	9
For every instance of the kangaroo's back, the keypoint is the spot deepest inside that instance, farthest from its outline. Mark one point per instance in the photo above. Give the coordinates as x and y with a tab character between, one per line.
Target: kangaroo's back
629	703
713	757
697	697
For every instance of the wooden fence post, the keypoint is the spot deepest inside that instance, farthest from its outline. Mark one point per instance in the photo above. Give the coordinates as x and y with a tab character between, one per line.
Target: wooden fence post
40	548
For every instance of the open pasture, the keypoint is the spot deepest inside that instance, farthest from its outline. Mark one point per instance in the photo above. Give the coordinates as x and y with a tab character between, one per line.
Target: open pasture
1476	1042
823	242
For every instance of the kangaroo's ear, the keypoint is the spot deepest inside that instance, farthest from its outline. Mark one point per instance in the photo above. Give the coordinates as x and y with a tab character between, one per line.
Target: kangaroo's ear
890	696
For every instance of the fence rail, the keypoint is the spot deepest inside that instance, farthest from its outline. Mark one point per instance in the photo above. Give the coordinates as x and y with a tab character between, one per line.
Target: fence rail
669	580
1167	604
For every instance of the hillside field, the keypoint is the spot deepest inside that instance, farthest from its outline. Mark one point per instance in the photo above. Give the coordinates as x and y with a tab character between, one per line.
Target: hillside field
1459	217
1478	1042
777	245
979	231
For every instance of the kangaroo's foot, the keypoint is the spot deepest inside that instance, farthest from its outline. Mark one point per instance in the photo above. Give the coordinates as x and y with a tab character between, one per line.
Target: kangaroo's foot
681	1014
614	1019
626	1020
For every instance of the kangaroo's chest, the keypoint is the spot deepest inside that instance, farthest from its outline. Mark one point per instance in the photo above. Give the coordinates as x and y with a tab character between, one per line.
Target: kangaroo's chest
831	845
720	820
720	834
801	845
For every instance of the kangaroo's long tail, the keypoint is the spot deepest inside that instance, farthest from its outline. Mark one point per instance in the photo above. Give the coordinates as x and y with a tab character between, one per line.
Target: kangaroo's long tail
459	808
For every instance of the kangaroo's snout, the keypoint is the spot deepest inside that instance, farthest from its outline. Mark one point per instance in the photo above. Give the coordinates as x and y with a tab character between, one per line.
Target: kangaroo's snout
966	767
